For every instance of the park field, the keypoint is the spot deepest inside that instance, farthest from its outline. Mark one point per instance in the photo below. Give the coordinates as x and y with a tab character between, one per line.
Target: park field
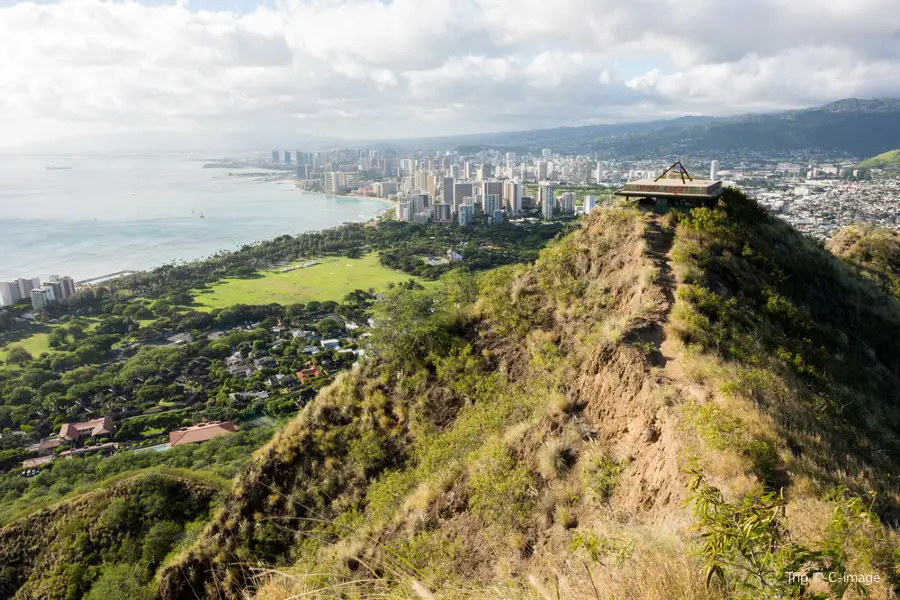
332	279
38	340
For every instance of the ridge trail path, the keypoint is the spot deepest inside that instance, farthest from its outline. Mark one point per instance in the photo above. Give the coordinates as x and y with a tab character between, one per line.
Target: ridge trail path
659	248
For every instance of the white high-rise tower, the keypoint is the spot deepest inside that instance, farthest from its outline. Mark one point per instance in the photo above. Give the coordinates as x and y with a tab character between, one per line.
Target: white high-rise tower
714	170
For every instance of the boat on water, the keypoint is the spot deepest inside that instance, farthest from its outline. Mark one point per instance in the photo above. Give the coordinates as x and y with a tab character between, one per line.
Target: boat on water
55	168
201	215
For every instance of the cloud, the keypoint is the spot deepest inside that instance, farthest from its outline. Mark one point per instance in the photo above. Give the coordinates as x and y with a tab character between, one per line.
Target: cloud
401	68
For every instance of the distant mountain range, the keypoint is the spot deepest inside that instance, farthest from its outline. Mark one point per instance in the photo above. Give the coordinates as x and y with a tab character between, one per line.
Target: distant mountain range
854	126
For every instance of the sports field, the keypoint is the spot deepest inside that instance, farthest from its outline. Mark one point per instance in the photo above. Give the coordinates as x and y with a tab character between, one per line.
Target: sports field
332	279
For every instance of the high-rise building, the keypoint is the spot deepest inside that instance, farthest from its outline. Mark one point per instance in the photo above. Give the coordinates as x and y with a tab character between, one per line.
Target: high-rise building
546	199
490	203
447	190
497	218
567	202
589	203
542	170
331	182
460	191
287	158
383	189
468	170
339	182
512	198
419	201
491	187
420	180
67	286
431	185
9	293
41	298
714	170
275	156
546	153
443	211
466	215
510	160
404	211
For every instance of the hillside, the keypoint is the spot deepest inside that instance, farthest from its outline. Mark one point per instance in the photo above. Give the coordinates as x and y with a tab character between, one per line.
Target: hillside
887	161
657	404
874	252
114	536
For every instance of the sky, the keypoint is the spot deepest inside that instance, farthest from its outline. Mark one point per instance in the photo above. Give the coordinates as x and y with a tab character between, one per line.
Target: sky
238	72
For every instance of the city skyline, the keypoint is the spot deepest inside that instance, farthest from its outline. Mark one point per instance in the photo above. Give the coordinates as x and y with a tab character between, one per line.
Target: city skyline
227	73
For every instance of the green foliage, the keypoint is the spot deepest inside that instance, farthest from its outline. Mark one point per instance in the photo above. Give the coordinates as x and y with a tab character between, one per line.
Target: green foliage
500	487
601	549
749	550
795	332
120	582
509	308
221	457
159	541
13	457
746	545
600	475
410	326
17	355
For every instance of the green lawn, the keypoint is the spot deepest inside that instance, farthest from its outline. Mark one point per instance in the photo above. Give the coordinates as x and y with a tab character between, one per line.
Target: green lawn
35	344
333	279
39	341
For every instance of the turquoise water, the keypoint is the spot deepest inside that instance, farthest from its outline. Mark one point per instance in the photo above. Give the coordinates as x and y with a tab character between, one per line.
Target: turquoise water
136	212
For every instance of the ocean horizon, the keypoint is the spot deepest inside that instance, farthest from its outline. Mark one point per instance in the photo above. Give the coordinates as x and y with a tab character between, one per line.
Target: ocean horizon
102	215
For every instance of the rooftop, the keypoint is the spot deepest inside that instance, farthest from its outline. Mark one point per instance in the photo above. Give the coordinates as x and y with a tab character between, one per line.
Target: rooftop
200	432
696	188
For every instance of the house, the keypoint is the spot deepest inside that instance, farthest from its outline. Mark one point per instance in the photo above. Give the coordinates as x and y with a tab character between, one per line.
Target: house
267	362
244	396
201	432
312	350
244	371
30	463
95	428
331	344
311	370
107	448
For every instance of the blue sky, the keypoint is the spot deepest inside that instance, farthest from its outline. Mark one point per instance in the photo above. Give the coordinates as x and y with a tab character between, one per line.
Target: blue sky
356	69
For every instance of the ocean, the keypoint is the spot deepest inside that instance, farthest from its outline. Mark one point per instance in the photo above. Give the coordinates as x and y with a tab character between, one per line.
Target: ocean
119	213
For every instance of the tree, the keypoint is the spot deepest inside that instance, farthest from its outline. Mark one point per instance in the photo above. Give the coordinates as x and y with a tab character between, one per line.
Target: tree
160	540
18	355
329	327
120	582
408	326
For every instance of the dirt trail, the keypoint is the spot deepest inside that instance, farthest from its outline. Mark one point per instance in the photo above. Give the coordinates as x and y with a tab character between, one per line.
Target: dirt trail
659	248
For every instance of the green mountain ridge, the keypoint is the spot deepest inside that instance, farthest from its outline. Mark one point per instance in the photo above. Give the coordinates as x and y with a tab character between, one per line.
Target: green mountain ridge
888	161
576	424
131	521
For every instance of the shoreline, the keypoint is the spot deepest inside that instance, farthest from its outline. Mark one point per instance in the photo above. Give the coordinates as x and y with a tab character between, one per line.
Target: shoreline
90	281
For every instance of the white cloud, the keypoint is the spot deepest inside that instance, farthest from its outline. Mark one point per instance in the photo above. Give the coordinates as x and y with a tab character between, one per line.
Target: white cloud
371	68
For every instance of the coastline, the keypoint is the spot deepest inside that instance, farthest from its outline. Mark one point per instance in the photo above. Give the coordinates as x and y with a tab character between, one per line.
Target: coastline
108	247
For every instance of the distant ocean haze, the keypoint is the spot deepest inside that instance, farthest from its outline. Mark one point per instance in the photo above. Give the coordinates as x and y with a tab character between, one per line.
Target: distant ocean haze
127	213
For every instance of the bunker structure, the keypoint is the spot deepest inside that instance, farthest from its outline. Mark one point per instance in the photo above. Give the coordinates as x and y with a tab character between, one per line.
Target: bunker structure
675	187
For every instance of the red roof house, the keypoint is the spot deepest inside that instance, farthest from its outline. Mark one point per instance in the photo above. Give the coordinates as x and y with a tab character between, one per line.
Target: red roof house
94	428
310	371
200	432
